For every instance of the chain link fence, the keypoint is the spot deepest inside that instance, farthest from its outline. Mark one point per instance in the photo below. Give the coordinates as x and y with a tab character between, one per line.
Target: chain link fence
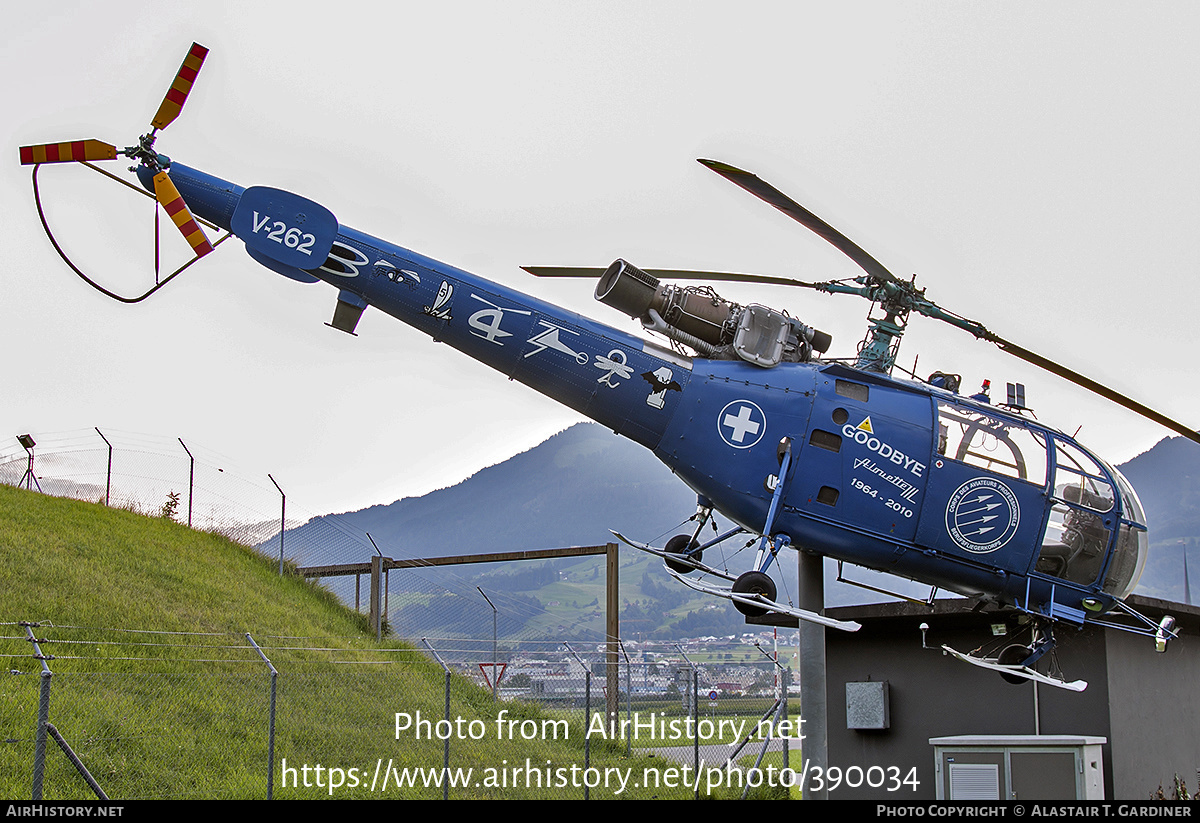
163	477
132	714
168	477
129	713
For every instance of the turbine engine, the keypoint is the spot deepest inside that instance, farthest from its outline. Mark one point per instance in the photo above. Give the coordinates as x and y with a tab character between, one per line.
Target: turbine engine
698	317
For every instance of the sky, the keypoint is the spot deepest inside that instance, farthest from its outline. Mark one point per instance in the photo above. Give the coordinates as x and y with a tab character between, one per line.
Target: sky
1035	165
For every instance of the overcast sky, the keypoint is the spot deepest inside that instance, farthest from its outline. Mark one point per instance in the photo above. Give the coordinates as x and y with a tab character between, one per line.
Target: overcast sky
1035	164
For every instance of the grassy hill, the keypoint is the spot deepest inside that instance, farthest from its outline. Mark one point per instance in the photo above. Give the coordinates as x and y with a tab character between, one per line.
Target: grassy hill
158	690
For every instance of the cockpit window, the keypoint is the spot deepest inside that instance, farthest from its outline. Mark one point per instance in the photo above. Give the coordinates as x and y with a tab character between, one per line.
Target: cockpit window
1133	544
1080	529
995	445
1131	506
1079	479
1074	544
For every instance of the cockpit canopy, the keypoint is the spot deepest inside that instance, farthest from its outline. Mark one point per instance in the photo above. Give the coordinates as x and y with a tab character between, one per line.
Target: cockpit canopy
1094	508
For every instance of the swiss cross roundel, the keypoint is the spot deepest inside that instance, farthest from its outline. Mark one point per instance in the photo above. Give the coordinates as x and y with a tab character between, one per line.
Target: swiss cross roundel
741	424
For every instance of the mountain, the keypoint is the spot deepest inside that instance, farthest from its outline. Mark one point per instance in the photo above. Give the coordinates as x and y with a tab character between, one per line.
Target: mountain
1167	480
567	491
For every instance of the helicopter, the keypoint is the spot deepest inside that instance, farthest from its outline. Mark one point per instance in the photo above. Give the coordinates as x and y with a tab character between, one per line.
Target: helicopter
840	457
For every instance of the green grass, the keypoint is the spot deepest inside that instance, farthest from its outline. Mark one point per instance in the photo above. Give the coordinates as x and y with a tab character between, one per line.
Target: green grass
157	689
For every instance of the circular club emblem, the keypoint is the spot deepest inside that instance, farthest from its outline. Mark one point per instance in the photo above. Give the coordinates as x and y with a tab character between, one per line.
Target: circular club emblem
741	424
982	515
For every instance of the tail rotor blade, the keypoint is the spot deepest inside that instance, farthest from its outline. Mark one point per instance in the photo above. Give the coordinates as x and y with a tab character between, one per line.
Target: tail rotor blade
173	204
69	152
178	93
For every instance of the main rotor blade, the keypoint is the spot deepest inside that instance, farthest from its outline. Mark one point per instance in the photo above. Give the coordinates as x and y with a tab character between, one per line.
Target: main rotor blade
564	271
178	93
672	274
1091	385
172	202
69	152
765	191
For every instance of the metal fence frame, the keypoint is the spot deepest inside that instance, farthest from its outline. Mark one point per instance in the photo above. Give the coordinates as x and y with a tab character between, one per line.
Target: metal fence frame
285	673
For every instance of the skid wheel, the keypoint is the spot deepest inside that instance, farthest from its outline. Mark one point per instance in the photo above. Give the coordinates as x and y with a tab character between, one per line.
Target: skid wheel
1011	656
753	583
678	545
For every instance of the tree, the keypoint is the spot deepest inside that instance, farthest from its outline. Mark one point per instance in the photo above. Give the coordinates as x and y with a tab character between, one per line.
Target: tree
168	510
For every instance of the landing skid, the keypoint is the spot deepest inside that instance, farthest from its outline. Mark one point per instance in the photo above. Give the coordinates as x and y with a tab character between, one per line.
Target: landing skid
752	601
759	602
1013	670
676	559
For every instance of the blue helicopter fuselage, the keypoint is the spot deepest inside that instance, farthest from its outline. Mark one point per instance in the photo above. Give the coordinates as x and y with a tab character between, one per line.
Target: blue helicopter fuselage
871	481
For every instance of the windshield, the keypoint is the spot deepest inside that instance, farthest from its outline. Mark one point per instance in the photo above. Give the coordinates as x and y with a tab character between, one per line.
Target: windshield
1133	542
1081	526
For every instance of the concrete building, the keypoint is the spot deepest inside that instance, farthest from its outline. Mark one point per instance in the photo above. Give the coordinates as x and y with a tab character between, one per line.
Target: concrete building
1145	705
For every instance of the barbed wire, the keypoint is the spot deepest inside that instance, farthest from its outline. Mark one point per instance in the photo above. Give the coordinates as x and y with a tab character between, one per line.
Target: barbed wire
144	731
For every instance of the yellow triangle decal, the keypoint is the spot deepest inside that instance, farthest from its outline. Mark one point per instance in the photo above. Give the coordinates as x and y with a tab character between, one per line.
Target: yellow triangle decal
865	426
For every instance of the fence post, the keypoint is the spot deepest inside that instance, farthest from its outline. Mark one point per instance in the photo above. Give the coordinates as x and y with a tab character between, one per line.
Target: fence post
695	712
108	473
376	619
786	677
76	762
43	721
282	521
379	590
271	718
613	632
446	750
628	698
191	478
696	724
587	718
495	670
